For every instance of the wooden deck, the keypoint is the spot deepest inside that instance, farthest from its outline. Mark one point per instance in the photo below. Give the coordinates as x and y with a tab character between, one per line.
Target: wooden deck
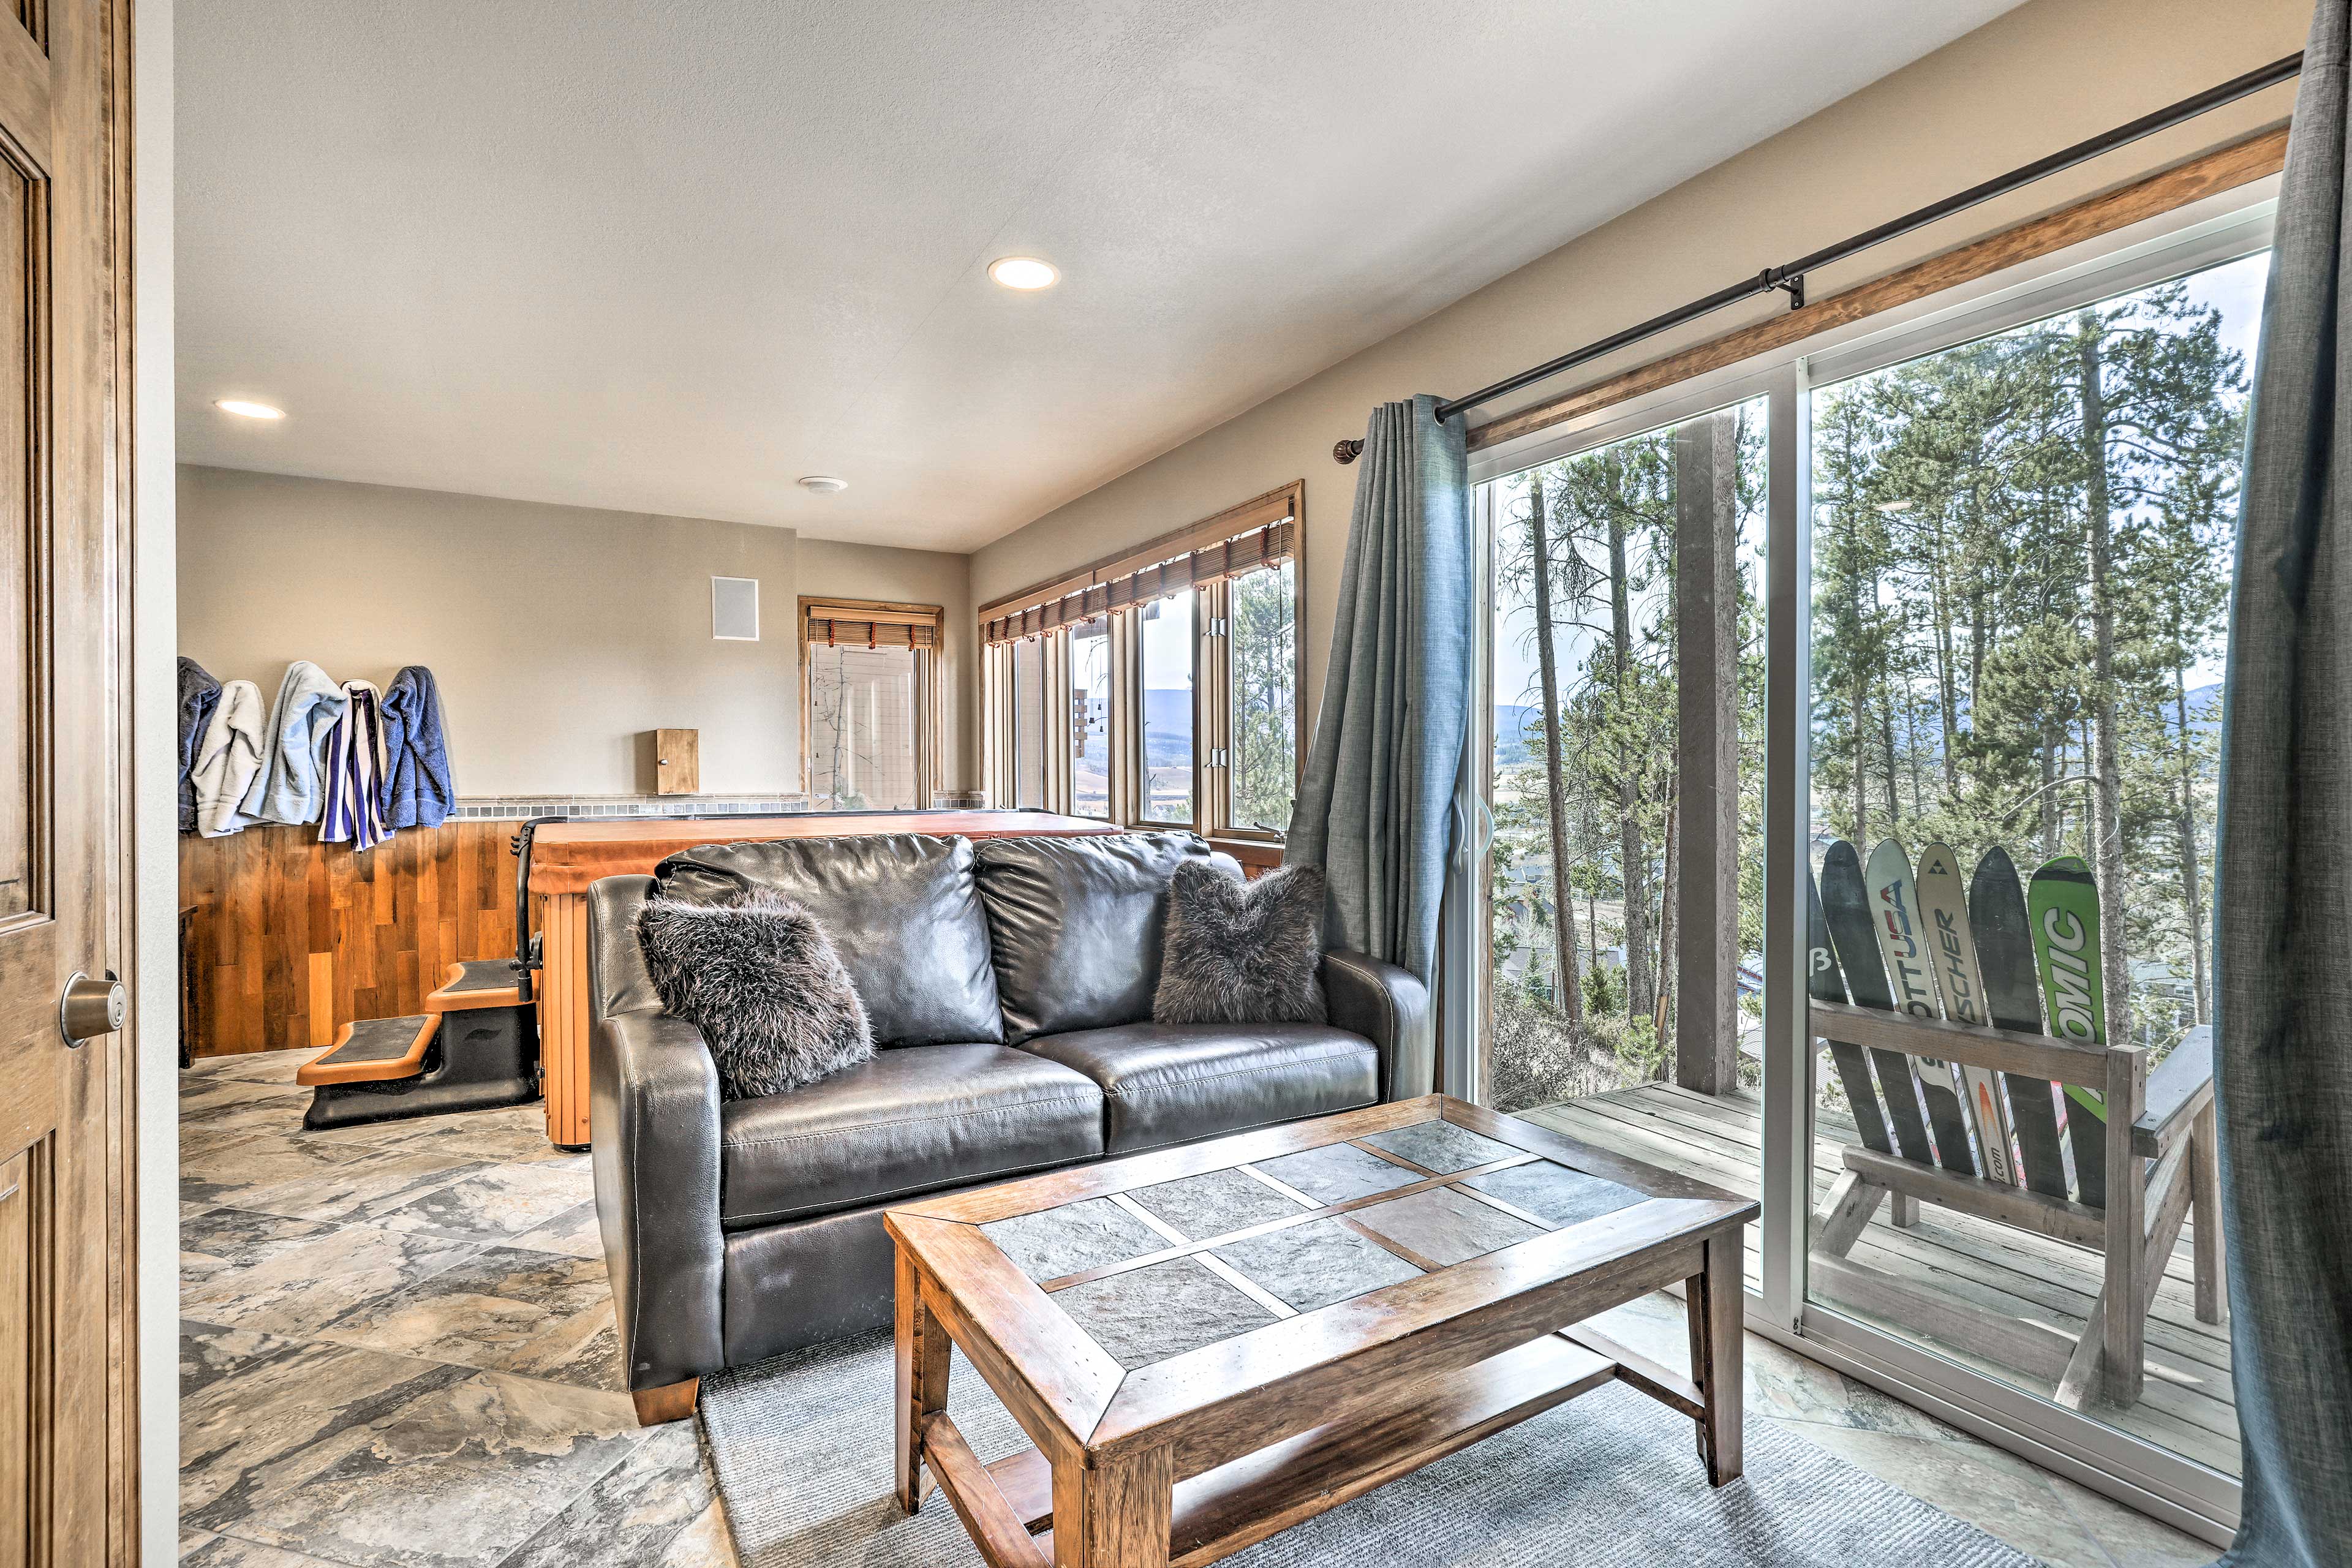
2187	1407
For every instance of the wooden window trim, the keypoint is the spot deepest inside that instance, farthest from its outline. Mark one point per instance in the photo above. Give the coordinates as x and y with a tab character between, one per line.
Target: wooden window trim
1234	522
2225	168
929	710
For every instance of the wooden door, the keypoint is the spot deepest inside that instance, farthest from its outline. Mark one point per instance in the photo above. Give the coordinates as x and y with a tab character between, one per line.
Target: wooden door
68	1475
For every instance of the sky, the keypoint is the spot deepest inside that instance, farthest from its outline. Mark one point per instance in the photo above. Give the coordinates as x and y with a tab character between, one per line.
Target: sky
2235	287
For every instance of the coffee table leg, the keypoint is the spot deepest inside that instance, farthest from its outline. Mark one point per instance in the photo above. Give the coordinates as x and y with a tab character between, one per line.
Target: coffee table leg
923	1347
1713	1297
1116	1514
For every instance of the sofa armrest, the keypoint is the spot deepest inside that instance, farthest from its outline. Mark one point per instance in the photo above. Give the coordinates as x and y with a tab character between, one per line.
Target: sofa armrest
1388	1007
654	1104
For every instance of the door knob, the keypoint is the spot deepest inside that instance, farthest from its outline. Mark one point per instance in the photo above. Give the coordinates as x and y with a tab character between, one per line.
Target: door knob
87	1007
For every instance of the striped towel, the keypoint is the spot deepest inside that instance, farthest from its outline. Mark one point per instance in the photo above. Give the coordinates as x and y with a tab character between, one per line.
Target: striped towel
353	761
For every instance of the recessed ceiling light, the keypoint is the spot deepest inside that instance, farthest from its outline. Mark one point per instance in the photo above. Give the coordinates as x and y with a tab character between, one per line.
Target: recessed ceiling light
1023	272
243	410
822	484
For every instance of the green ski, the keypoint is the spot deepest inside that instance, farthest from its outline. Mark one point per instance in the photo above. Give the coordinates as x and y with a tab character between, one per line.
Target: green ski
2063	903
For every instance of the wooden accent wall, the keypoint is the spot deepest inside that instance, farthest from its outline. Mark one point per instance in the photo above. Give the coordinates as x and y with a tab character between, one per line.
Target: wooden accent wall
292	938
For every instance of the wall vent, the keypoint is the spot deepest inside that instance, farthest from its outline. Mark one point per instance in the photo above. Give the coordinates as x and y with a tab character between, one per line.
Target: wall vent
735	609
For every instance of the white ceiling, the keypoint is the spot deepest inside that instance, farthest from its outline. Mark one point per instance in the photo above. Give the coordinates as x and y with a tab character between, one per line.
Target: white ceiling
668	256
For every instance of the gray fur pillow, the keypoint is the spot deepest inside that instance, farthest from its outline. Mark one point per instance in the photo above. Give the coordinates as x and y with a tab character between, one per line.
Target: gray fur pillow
758	975
1241	953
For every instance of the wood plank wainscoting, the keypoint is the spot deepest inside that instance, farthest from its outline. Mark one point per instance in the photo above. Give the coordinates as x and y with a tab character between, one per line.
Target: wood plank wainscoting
292	938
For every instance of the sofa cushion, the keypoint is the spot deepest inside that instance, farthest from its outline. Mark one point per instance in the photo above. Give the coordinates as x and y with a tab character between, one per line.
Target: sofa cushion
910	1121
1171	1083
902	909
1077	925
758	976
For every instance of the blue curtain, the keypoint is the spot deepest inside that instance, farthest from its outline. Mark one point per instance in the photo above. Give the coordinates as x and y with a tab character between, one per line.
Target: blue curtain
2282	918
1375	806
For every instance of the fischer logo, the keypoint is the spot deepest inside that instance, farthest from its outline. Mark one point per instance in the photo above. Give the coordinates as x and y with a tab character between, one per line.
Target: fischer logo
2070	975
1918	999
1957	988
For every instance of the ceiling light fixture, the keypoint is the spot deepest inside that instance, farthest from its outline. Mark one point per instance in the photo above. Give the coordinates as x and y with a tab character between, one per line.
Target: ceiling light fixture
243	410
822	484
1895	506
1023	272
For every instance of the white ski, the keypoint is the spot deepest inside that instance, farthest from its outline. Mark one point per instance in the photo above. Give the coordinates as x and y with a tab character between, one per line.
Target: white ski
1904	941
1943	907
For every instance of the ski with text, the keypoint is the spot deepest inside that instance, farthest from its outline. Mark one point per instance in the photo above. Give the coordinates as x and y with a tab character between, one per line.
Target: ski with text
1944	912
1824	982
1911	968
1853	934
2063	905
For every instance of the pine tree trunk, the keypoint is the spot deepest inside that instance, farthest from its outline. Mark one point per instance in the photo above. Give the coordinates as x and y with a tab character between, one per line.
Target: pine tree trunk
1861	720
2191	894
2106	792
1886	738
1567	987
1635	856
2049	791
1666	927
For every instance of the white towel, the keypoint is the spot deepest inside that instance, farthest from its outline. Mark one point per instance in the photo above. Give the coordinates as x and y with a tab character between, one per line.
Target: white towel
228	756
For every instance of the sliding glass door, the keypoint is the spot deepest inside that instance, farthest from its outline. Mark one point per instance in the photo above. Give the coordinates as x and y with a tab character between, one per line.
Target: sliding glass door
1846	833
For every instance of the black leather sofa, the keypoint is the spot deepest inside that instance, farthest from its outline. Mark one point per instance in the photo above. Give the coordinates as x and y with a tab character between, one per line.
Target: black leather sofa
1009	983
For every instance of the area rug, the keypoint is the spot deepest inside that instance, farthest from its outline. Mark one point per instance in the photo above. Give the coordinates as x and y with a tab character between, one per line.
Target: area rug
801	1445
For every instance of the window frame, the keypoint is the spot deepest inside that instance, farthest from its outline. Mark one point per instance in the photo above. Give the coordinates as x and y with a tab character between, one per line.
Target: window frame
1212	688
928	700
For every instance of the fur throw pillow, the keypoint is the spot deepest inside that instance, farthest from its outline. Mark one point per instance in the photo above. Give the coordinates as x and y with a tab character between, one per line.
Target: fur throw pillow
1241	953
758	975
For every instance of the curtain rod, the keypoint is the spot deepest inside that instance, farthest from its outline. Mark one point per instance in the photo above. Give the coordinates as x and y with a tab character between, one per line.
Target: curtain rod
1790	277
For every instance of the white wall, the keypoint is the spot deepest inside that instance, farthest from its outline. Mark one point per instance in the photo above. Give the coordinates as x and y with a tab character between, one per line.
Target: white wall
558	634
154	974
2047	74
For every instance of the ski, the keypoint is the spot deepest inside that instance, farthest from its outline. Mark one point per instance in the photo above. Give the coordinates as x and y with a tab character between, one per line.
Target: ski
1944	909
2004	943
1854	937
1824	982
2063	903
1911	970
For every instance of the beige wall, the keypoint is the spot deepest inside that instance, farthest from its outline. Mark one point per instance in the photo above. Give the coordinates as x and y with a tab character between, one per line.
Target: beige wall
2047	74
915	577
557	633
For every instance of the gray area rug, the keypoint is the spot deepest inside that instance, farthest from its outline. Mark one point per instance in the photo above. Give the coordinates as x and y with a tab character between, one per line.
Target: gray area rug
802	1446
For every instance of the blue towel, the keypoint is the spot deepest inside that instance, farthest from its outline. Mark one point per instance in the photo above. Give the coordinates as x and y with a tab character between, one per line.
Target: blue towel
199	694
417	790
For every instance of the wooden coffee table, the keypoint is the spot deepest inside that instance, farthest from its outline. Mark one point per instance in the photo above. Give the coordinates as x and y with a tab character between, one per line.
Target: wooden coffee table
1210	1343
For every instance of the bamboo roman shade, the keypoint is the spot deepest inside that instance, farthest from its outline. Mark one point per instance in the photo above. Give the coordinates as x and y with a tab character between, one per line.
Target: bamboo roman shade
868	626
1262	532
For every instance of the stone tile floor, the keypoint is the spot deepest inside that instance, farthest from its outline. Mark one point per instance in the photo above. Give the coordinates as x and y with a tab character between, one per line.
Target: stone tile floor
397	1351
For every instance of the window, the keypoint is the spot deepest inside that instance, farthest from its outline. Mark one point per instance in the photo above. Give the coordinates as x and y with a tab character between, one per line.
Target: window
1175	668
1090	649
1029	724
1169	649
1262	625
868	682
1990	619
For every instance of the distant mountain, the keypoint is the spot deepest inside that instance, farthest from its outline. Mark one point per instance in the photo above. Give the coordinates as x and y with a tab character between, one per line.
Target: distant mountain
1519	734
